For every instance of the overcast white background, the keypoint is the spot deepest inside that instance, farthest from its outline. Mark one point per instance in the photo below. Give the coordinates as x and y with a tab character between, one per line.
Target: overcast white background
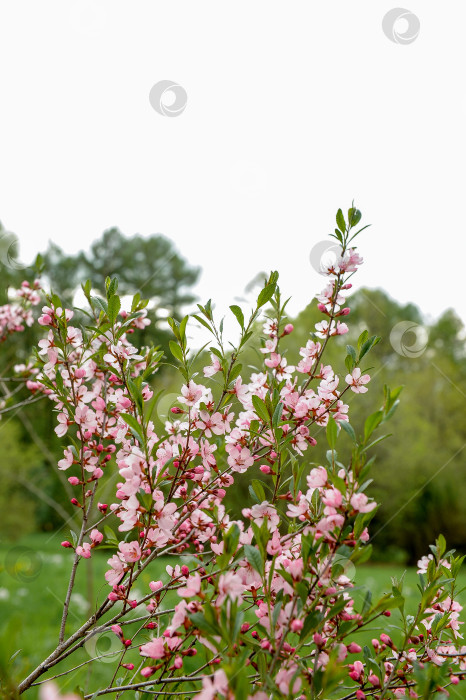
294	109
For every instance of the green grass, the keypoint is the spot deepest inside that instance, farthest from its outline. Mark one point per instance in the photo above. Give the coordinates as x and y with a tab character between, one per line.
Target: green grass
33	581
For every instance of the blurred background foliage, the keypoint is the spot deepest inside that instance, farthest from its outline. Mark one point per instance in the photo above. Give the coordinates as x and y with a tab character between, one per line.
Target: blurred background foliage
419	474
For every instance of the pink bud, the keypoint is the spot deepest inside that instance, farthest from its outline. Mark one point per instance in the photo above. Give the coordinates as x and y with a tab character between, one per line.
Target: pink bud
66	544
265	469
354	648
345	311
386	639
147	671
360	695
176	410
112	596
318	639
102	507
297	625
178	662
96	536
288	328
245	626
117	630
373	680
97	473
454	680
74	481
185	570
375	643
127	642
80	373
155	585
130	667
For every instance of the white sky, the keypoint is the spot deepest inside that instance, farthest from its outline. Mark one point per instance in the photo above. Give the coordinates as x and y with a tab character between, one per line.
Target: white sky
294	109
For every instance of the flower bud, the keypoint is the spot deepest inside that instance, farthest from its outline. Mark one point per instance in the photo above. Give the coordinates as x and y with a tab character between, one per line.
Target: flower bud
66	544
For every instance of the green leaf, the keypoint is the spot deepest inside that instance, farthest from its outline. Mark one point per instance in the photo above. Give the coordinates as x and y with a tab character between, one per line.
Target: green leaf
348	428
341	223
239	314
114	306
277	414
100	302
235	372
176	351
266	295
354	217
371	424
258	490
332	432
202	322
134	425
368	345
260	408
254	558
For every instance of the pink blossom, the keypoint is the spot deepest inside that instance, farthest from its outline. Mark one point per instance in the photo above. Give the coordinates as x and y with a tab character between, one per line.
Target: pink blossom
84	550
230	585
240	459
192	588
359	501
318	477
332	497
356	381
154	649
190	393
214	367
130	551
212	685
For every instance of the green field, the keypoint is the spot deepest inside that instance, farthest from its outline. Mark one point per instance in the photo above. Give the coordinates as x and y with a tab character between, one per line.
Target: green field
33	581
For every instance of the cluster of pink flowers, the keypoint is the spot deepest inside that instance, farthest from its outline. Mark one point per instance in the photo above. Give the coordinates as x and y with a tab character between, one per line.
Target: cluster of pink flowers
264	600
17	314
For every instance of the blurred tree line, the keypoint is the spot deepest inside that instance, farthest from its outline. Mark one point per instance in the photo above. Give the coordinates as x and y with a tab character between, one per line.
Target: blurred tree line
419	474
